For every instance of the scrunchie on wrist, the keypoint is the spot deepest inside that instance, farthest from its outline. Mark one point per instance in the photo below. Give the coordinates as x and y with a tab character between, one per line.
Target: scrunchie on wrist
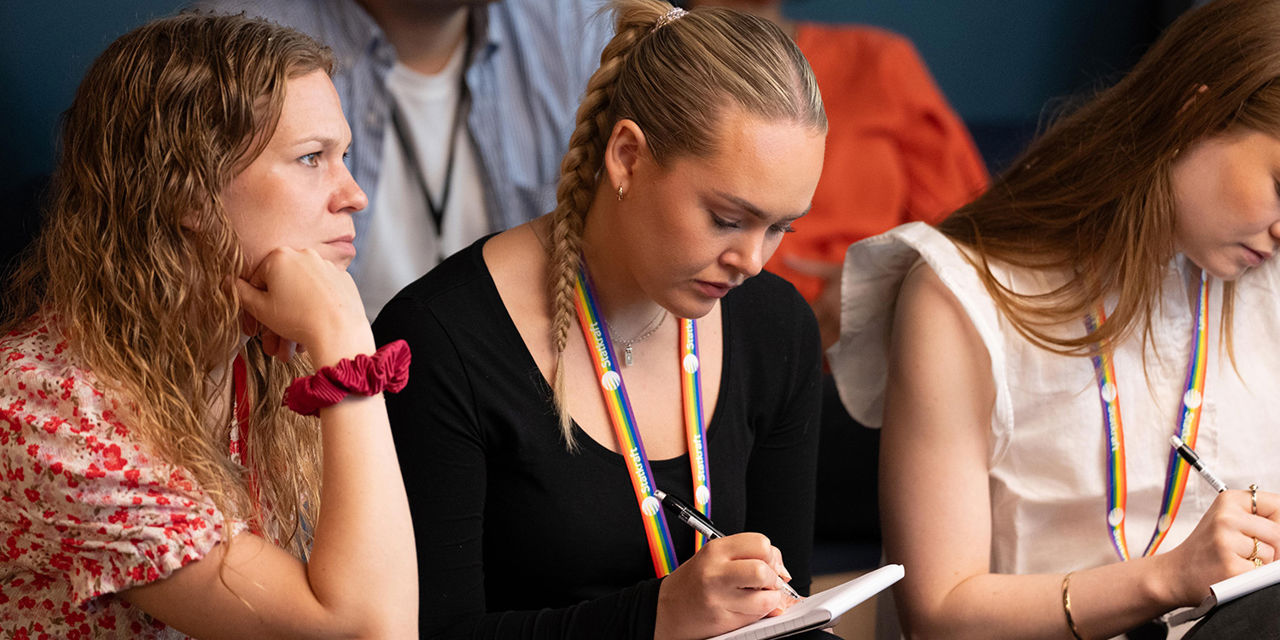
386	370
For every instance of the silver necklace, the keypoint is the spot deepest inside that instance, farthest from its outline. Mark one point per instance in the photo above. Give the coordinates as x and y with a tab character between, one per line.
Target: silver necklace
627	356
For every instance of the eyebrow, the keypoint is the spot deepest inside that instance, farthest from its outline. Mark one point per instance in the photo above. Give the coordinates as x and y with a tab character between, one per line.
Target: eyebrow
327	141
756	211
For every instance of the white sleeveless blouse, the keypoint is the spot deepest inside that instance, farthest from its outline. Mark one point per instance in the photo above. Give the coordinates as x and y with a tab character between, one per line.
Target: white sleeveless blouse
1047	458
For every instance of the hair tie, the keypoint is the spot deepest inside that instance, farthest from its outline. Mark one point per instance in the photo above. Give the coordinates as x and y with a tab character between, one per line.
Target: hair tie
671	16
386	370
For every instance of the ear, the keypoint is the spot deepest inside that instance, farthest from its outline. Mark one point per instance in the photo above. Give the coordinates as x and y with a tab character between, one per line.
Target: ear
623	152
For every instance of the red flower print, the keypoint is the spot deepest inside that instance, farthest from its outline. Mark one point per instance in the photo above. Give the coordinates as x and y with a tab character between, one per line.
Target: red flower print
61	561
51	425
94	472
111	458
32	494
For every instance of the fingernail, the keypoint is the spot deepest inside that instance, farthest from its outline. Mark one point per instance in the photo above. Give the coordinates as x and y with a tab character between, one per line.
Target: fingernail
785	574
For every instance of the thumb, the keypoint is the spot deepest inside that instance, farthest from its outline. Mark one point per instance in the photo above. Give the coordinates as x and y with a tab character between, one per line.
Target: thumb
253	299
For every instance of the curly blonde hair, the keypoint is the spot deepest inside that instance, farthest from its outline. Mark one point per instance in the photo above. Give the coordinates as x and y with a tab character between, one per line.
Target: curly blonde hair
136	254
673	75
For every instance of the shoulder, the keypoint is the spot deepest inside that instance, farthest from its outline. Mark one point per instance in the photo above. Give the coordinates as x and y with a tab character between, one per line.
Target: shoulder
873	283
74	460
867	46
460	271
769	299
573	32
342	25
39	372
454	297
770	331
551	14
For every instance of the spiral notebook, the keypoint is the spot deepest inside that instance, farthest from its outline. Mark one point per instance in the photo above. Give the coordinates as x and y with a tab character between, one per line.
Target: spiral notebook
819	610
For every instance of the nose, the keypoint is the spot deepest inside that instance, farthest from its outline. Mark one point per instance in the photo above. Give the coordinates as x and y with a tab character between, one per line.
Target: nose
1274	230
348	197
748	253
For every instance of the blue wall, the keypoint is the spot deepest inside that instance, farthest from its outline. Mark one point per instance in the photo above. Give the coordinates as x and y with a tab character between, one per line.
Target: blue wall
998	61
46	48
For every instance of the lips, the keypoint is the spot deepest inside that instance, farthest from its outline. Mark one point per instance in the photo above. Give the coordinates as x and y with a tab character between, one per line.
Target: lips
344	244
1255	257
715	289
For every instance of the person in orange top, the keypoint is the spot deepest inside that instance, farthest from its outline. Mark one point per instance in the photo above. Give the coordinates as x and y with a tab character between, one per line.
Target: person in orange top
896	151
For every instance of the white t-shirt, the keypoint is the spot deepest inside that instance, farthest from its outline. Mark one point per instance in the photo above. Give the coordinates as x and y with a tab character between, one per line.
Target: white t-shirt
402	242
1047	462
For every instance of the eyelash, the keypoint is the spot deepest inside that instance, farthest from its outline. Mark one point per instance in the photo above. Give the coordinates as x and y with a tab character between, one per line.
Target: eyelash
727	224
724	224
310	159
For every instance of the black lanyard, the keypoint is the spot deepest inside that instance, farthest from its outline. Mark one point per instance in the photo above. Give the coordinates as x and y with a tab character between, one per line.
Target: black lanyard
409	150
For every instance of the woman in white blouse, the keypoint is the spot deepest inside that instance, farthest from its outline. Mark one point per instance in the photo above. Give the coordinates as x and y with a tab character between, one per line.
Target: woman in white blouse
1032	355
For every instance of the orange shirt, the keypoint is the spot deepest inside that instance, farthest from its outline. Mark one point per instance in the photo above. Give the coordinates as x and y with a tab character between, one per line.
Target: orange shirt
896	152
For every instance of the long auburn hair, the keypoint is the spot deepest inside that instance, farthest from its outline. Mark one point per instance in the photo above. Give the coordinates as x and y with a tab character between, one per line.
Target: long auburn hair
1092	198
673	78
136	252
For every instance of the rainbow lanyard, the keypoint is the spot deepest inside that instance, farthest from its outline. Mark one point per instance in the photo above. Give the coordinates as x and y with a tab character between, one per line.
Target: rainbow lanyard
596	333
1187	428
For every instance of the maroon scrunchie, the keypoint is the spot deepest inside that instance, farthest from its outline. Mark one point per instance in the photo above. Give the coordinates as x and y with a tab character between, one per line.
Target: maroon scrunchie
386	370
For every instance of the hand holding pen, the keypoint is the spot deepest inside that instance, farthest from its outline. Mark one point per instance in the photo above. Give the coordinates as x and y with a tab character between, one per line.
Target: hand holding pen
703	525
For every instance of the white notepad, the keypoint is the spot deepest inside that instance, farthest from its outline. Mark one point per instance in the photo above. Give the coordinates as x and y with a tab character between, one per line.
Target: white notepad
1230	589
819	610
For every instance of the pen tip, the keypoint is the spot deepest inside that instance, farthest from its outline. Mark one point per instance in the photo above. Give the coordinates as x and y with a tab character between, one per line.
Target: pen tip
659	494
1176	441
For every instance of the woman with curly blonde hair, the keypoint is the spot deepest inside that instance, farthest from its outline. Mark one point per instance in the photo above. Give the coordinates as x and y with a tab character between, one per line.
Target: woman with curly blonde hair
622	346
155	485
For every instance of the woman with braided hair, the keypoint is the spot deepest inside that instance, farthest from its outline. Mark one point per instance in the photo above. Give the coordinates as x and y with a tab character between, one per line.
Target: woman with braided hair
624	345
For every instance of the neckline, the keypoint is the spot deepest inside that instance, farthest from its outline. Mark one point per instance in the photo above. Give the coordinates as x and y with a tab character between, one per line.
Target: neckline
526	362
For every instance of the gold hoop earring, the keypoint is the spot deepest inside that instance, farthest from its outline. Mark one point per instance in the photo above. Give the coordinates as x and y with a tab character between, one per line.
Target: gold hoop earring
620	193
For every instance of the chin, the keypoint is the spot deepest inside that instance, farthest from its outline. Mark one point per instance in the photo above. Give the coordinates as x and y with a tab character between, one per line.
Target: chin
691	308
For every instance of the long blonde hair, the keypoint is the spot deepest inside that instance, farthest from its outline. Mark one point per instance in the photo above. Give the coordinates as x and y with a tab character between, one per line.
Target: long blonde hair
674	80
136	252
1093	198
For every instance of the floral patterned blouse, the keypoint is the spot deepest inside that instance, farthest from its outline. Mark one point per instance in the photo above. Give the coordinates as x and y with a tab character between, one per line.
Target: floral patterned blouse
85	510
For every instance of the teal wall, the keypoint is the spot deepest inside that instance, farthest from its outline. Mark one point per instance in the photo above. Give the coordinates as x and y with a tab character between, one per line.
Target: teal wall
46	48
999	61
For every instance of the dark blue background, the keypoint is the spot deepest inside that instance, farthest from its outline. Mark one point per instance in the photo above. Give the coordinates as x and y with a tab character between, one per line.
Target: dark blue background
998	61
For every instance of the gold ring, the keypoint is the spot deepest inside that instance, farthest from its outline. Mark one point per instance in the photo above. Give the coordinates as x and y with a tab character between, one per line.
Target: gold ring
1253	557
1253	498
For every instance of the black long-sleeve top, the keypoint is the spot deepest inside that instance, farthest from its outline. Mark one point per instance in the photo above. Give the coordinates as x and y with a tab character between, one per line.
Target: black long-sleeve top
517	537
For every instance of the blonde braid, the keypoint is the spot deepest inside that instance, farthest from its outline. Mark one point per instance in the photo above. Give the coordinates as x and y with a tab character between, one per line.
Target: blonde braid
579	176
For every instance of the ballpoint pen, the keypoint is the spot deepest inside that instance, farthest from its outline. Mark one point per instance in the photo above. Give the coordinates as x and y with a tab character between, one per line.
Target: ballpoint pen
703	525
1194	460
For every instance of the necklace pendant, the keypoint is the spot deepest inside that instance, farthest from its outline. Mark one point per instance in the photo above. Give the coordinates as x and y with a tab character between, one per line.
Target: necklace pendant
626	355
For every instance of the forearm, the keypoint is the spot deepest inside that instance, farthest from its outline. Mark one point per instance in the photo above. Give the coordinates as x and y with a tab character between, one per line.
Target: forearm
363	562
1105	601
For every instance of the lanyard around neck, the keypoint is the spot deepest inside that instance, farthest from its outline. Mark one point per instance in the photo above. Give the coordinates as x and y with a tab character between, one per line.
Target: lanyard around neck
239	438
1187	427
618	406
410	150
